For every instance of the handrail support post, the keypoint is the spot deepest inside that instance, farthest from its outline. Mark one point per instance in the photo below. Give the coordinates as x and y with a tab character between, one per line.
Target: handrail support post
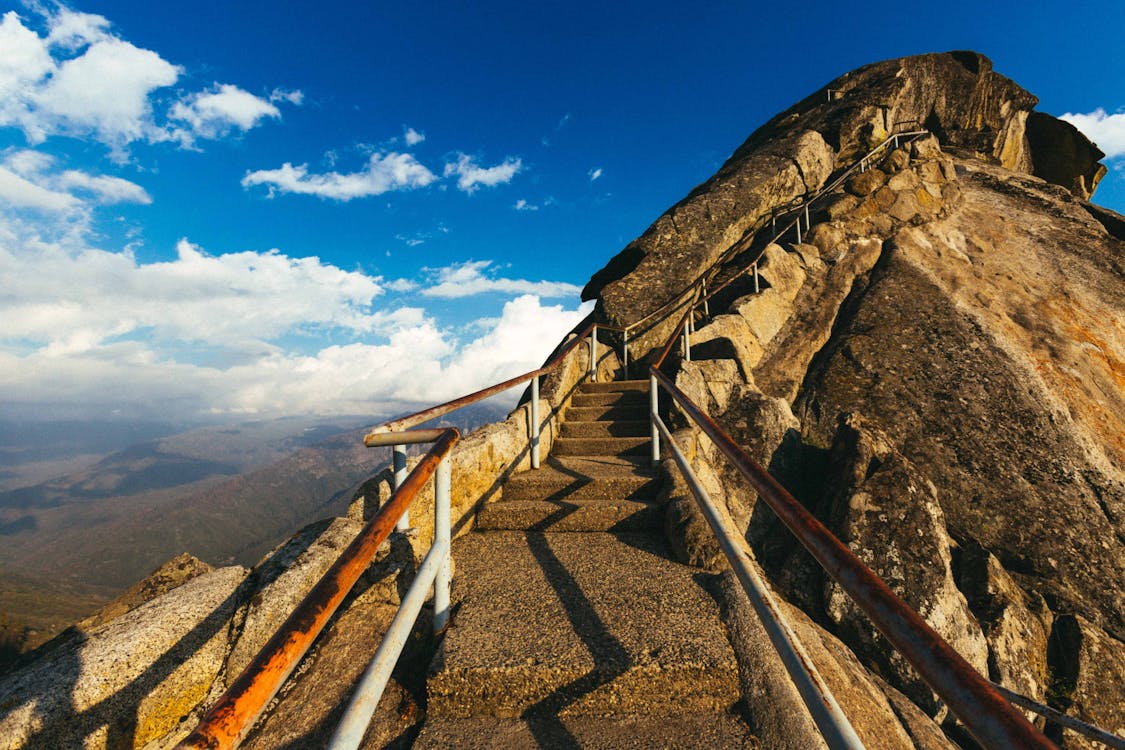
442	482
756	289
398	458
625	351
654	413
594	354
535	430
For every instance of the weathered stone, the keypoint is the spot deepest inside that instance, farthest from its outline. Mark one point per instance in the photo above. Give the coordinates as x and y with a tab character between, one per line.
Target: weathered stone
291	571
840	207
1016	624
896	161
783	270
1089	670
866	183
729	335
130	681
765	313
905	206
1061	154
308	711
903	181
176	572
888	514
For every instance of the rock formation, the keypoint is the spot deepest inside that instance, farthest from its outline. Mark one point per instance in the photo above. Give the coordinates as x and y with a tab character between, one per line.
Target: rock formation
937	370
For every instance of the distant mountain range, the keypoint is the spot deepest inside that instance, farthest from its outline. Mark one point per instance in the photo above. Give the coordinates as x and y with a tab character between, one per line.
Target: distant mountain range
226	494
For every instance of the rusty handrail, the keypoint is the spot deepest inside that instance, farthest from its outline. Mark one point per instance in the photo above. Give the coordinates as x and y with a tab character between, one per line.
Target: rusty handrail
985	713
228	721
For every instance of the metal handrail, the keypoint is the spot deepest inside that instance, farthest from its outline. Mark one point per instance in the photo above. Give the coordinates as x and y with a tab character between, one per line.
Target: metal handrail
743	242
826	712
985	713
228	721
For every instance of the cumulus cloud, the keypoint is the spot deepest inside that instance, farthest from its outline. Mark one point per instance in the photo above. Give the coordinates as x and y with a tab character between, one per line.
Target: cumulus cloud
21	192
80	300
383	173
82	80
468	278
523	205
413	137
216	112
471	176
97	331
595	173
29	179
1106	130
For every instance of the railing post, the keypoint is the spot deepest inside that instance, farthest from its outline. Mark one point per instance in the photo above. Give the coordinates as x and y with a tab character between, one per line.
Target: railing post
535	422
594	354
687	339
808	224
706	303
756	290
798	228
773	225
625	351
442	481
653	408
398	458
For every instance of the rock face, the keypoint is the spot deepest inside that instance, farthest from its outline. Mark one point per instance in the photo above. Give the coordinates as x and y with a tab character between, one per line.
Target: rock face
948	346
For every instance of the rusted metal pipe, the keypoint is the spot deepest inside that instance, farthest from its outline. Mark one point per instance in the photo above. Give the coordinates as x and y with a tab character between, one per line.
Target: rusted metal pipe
227	722
985	713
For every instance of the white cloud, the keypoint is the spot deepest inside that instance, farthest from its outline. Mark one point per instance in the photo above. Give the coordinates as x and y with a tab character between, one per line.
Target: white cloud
82	80
1106	130
216	112
95	329
595	173
28	180
466	279
105	189
295	97
105	92
383	173
470	176
523	205
20	192
413	137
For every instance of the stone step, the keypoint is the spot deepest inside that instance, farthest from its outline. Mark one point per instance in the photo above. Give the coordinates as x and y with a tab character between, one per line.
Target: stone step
613	446
609	428
592	624
628	412
571	515
578	478
588	732
621	398
614	386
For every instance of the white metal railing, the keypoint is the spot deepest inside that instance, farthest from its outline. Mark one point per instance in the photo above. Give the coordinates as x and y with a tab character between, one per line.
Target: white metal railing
434	571
830	719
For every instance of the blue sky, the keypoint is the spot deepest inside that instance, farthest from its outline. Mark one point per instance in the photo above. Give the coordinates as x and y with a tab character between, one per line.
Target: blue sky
254	208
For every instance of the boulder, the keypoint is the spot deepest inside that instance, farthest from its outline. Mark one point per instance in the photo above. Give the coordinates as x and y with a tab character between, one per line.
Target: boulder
130	681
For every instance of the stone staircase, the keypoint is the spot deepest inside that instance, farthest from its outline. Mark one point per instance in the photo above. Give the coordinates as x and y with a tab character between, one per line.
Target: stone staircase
573	626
